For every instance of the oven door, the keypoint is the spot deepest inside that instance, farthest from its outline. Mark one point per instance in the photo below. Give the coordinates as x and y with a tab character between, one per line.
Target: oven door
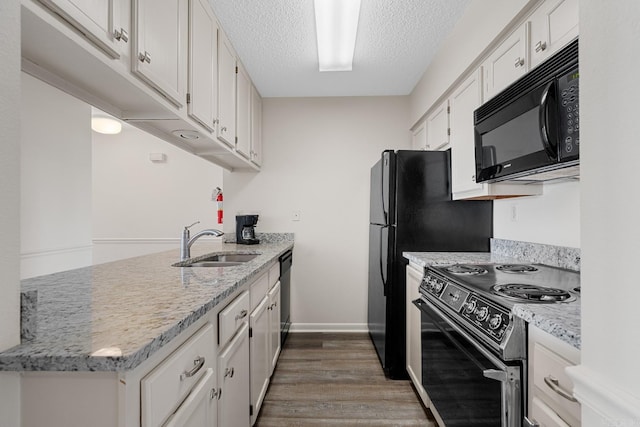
467	384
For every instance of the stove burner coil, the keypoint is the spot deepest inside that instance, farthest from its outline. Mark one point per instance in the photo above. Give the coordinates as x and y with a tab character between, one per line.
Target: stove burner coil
516	268
532	293
465	269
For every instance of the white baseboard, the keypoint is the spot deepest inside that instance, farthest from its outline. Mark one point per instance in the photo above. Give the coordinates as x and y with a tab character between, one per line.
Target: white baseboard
602	398
52	260
329	327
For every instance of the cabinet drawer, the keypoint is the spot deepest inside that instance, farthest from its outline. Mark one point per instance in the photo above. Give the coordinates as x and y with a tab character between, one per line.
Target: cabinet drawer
274	274
232	317
549	373
164	388
259	290
543	415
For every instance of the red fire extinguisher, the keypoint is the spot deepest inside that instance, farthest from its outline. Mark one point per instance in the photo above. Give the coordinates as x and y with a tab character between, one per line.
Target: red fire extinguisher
219	200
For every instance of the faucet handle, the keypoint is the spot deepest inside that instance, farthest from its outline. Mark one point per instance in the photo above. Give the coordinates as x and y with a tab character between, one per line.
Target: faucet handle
186	228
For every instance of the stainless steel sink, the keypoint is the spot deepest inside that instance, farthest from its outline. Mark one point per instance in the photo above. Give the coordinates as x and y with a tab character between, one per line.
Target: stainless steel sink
220	260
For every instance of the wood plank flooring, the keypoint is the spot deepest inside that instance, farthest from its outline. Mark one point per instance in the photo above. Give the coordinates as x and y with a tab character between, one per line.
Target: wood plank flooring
327	379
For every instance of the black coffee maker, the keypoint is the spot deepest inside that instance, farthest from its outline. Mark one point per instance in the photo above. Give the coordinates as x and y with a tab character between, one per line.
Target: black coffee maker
245	229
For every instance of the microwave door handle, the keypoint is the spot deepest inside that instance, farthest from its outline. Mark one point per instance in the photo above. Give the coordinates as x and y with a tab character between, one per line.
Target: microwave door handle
549	148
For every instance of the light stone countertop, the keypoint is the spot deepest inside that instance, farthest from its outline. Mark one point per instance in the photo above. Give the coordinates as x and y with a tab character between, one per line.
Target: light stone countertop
113	316
559	320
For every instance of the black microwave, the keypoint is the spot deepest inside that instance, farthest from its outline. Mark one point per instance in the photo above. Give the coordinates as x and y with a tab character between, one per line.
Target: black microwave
532	128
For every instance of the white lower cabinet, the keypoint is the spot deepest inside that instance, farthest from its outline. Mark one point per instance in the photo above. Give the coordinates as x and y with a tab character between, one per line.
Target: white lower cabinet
233	381
274	327
164	388
259	350
201	407
413	337
551	402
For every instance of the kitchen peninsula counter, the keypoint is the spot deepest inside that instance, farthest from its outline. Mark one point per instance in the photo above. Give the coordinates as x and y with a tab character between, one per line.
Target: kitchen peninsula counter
561	320
114	316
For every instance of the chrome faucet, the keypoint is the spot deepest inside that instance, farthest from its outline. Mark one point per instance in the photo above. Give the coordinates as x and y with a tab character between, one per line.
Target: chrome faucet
187	240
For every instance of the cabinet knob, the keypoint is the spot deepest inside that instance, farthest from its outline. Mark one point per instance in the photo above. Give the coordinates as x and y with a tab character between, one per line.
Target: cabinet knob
242	315
121	35
215	393
519	62
223	129
540	46
145	57
228	372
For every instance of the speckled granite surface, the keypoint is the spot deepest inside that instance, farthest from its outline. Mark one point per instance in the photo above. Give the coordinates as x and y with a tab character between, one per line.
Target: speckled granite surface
559	320
113	316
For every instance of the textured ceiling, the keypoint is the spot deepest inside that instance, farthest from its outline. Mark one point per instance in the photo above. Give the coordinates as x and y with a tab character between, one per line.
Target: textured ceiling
275	39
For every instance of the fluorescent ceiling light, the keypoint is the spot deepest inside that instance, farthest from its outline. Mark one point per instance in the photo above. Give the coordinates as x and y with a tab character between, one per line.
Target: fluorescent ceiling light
336	28
106	125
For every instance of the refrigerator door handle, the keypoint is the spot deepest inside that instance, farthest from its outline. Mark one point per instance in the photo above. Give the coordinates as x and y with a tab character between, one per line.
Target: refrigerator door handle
385	210
382	264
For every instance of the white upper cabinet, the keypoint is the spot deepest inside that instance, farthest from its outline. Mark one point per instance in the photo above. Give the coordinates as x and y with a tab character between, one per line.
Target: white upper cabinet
243	113
100	21
438	128
464	100
160	46
553	25
507	63
419	136
203	64
256	127
226	130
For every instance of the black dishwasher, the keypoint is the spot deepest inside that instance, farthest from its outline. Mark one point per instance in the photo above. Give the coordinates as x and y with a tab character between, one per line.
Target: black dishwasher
286	260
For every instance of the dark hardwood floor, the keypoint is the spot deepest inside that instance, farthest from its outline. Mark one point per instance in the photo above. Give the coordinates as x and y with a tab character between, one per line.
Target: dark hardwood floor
327	379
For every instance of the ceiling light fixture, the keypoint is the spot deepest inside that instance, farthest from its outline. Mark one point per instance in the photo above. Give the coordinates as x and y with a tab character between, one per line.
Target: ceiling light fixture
106	125
336	28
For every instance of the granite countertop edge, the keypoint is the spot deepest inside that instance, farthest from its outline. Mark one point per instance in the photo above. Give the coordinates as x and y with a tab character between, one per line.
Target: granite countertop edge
24	357
559	320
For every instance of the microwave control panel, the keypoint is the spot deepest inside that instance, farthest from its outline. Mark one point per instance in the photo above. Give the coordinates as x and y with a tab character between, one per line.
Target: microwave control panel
569	114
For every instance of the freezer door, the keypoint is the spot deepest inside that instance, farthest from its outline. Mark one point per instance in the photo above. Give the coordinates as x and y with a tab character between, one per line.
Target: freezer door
382	193
379	268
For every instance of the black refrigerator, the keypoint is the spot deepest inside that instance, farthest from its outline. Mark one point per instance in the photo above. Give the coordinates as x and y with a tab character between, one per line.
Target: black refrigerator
411	210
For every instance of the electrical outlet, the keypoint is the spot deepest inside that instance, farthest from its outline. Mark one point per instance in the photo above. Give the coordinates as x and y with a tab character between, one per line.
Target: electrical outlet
514	213
295	216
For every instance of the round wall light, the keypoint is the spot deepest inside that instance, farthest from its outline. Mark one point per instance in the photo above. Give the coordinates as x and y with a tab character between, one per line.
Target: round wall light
106	125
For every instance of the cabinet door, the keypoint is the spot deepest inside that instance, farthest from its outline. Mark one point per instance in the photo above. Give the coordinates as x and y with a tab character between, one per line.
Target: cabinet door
419	137
413	341
161	46
243	113
200	408
226	130
464	100
438	128
507	63
233	380
97	20
256	127
553	25
259	354
203	64
274	327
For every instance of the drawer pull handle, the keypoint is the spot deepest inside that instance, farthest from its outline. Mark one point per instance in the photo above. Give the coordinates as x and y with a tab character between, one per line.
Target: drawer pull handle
553	383
228	372
242	315
198	363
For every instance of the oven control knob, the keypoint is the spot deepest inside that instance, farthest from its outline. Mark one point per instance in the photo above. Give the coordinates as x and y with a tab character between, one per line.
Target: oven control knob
438	285
495	321
482	313
470	307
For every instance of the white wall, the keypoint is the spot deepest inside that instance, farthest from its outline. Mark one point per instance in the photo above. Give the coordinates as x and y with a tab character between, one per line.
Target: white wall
55	180
608	382
552	218
9	203
318	155
482	23
141	207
